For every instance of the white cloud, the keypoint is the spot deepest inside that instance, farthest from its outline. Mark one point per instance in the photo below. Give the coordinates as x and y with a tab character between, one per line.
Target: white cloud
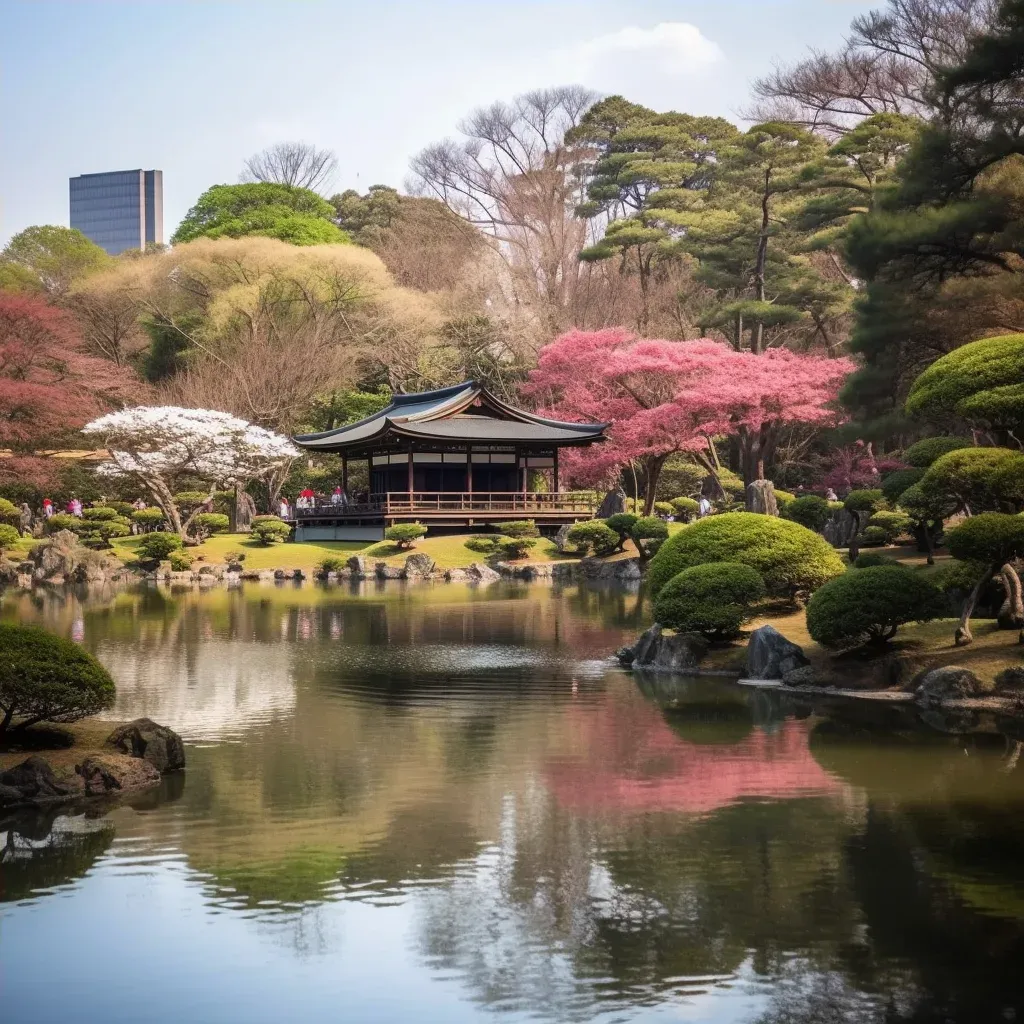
671	48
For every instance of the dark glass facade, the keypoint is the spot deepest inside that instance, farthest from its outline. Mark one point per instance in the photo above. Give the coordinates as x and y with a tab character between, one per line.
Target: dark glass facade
119	210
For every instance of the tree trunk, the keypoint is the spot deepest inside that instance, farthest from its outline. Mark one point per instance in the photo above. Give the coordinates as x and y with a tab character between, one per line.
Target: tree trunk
929	542
963	635
8	715
654	465
1011	614
757	335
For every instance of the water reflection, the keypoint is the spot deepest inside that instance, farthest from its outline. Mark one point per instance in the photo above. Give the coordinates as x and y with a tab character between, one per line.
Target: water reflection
449	786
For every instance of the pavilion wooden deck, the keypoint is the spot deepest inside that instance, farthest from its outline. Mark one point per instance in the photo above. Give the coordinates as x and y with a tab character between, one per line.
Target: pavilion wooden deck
448	509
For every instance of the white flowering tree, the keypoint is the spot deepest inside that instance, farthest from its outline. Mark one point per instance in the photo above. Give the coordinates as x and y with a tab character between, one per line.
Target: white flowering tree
163	447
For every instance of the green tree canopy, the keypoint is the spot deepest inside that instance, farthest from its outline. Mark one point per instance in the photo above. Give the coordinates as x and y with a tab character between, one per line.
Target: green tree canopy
49	258
981	383
286	212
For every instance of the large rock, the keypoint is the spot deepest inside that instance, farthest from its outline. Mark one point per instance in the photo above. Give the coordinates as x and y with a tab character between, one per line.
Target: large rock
623	570
1010	680
359	567
938	685
34	782
478	572
114	773
613	503
770	655
841	528
160	746
419	564
761	498
562	538
661	652
383	571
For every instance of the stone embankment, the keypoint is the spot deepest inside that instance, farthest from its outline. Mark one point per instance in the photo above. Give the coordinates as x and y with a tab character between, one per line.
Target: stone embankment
134	757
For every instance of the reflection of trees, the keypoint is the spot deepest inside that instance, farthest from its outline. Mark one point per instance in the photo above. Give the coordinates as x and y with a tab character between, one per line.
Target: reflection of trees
42	850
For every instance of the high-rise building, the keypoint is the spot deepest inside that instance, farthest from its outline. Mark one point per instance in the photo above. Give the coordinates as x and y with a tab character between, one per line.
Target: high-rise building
119	210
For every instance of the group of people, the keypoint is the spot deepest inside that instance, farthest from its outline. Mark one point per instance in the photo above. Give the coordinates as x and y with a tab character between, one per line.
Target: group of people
307	499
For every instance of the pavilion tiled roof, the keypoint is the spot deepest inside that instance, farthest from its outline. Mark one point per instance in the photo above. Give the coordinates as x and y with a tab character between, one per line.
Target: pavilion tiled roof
448	415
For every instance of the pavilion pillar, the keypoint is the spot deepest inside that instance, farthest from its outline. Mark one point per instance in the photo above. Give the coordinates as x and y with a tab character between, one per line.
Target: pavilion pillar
469	469
344	475
554	474
410	471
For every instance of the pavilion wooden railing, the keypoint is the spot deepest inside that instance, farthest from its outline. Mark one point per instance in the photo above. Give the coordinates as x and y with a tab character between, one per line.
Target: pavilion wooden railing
403	503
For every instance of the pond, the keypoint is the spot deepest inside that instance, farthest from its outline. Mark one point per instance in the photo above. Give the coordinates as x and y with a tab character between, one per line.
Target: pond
434	803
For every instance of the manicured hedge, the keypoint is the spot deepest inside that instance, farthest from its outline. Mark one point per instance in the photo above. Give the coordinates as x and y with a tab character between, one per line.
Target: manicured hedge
713	599
869	605
791	559
810	511
922	454
44	677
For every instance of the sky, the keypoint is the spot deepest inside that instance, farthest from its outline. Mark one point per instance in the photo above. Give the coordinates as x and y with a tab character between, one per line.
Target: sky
193	88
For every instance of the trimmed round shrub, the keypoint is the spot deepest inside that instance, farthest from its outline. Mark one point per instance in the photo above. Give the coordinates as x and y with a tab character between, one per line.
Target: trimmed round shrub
211	522
405	534
45	678
898	481
958	576
9	536
99	514
267	530
872	558
713	599
595	536
791	559
869	605
483	545
685	508
519	528
873	536
147	518
864	501
181	560
234	557
64	521
974	476
329	564
922	454
9	513
893	523
516	547
992	538
732	484
783	498
648	534
663	508
122	508
810	511
155	547
100	534
622	523
189	500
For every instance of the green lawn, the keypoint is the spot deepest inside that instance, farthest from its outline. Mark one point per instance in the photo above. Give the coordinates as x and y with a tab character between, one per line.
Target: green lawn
449	552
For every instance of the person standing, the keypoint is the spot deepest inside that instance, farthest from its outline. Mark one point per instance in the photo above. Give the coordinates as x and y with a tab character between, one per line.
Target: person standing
336	496
283	508
703	506
76	508
830	495
47	508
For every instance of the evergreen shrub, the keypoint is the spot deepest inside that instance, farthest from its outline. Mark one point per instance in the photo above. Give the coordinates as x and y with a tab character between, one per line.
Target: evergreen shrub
155	547
869	605
713	599
404	535
594	536
810	511
44	677
9	536
791	559
267	530
622	523
922	454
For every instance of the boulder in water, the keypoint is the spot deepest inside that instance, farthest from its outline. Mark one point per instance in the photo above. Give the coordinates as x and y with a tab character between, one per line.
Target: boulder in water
114	773
661	652
478	572
160	746
951	682
34	782
770	655
419	564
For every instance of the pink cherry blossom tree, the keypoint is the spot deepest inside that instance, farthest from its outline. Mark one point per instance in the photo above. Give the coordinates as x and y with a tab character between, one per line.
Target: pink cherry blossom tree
663	397
643	388
761	394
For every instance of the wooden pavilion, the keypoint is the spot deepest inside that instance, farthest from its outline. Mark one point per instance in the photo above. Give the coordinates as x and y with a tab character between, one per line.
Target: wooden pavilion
456	457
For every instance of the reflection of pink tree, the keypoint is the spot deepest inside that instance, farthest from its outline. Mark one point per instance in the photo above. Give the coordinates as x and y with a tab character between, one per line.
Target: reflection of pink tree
634	763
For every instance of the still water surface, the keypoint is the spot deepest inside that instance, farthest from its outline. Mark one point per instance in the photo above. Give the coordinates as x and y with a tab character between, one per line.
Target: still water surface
439	804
